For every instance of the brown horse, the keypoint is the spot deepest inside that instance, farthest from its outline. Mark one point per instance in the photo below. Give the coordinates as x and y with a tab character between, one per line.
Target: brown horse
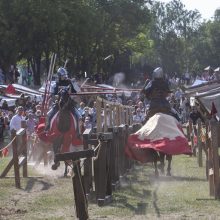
63	132
63	128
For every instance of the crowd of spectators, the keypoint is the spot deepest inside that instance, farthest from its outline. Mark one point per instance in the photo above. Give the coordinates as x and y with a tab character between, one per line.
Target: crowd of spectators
30	110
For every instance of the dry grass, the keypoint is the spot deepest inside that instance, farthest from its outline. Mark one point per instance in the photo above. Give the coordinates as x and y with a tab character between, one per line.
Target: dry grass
185	195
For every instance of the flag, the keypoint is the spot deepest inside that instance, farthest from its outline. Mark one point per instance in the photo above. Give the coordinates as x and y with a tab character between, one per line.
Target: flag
5	152
10	89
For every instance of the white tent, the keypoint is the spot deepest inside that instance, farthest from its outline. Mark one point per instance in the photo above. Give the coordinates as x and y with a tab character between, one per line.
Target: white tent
198	82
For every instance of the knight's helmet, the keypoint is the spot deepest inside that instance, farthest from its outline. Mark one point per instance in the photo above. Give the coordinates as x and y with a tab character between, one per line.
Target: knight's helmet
62	72
158	73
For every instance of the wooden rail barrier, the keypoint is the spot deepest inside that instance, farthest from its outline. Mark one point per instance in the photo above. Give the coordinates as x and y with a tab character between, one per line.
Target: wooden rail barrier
208	140
104	167
19	159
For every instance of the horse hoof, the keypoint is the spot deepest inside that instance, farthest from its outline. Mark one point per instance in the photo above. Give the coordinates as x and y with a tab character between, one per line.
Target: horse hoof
156	174
161	167
168	173
55	166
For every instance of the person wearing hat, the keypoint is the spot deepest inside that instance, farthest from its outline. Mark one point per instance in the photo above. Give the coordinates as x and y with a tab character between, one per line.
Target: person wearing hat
217	73
15	123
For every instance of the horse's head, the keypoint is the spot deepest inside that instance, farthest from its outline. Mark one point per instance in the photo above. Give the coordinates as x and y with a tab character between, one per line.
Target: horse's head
67	105
64	96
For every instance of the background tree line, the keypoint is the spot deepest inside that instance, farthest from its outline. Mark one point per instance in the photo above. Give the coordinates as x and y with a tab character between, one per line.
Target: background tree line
135	35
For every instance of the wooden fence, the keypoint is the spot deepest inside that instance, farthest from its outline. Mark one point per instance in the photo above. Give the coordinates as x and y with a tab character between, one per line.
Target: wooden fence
19	156
104	160
207	141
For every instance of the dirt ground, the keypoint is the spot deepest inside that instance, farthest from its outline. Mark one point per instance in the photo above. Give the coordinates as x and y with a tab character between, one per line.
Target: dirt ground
48	195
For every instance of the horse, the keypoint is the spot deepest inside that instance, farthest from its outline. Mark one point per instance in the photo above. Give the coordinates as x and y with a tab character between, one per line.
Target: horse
63	130
159	138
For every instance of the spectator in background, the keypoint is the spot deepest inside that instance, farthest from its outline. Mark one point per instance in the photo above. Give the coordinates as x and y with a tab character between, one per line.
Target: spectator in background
15	123
140	105
194	116
138	117
5	106
2	126
21	101
87	123
28	103
2	77
86	114
30	123
37	116
81	108
24	75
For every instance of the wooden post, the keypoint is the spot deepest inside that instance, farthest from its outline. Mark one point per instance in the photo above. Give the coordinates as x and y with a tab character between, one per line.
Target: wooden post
214	145
79	193
87	164
24	143
199	143
111	115
114	158
101	174
192	138
15	160
210	169
188	131
131	115
98	115
105	117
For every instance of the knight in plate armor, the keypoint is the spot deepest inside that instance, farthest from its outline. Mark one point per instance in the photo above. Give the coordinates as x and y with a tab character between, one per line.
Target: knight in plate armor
63	83
156	91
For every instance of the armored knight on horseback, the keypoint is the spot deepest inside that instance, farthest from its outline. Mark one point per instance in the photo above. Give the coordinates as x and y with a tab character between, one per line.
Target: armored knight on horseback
63	83
61	128
156	91
162	133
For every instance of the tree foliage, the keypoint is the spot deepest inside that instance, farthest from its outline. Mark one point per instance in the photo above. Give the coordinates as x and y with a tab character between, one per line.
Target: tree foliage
87	31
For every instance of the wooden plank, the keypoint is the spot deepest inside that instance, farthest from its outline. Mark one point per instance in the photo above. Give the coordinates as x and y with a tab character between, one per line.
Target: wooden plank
7	169
81	202
191	137
75	155
87	166
15	160
214	145
100	174
98	115
199	143
24	152
114	158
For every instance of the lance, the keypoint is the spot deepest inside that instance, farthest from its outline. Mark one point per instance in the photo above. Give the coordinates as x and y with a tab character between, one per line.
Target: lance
48	84
65	64
115	89
95	93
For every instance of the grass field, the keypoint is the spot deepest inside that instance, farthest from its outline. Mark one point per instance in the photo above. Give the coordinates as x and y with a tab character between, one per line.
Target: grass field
185	195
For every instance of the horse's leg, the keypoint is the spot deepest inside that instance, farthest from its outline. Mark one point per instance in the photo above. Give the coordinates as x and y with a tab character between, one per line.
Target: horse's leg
66	169
162	163
156	169
169	159
155	159
56	148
